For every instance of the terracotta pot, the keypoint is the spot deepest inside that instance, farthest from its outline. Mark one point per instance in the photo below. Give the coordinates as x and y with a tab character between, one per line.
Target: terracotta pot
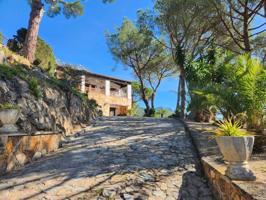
237	151
8	119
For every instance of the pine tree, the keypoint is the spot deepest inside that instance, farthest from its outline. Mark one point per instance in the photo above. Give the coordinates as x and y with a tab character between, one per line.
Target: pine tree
69	8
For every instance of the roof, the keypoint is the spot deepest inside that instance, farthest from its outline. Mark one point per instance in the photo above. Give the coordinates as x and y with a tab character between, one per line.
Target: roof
97	75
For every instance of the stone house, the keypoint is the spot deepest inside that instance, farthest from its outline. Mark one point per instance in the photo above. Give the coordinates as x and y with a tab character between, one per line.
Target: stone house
113	95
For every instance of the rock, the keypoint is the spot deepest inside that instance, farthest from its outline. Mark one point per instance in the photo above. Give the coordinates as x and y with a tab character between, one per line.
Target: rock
37	155
128	197
21	158
109	193
22	87
159	194
146	177
44	152
3	87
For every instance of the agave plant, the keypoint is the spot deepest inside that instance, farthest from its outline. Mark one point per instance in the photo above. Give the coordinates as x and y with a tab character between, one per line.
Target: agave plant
230	127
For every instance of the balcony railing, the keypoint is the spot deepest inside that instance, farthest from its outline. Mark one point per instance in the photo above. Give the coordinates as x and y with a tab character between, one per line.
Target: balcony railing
118	93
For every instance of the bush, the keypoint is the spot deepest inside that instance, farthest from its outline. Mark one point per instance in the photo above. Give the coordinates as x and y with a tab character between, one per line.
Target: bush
37	62
10	71
150	113
163	112
45	54
35	89
92	104
136	110
6	71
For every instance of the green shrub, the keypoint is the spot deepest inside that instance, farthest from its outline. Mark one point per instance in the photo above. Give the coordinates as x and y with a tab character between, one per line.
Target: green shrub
67	87
61	84
82	96
135	110
6	71
92	104
151	113
163	112
9	72
6	106
35	89
45	54
37	62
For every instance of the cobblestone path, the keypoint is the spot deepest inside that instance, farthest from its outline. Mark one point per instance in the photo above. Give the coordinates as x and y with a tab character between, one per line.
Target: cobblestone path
119	158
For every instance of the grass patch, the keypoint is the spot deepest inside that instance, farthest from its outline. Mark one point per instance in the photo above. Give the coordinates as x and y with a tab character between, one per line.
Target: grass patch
18	58
6	71
11	71
35	88
8	106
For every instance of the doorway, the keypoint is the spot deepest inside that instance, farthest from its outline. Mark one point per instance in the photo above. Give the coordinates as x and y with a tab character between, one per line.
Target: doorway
112	111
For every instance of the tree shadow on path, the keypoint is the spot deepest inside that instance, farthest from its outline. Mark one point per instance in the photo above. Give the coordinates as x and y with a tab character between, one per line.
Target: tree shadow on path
112	148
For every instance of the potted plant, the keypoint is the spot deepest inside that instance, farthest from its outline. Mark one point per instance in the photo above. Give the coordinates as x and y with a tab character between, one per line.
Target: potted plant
9	114
236	146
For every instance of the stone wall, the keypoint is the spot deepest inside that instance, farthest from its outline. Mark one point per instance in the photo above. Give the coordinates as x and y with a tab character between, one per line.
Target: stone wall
223	187
58	109
20	150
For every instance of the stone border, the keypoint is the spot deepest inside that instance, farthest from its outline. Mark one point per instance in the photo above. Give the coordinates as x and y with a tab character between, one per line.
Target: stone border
223	187
19	150
17	134
213	166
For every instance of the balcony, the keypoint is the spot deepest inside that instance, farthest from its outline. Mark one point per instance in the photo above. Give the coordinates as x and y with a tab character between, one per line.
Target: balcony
119	93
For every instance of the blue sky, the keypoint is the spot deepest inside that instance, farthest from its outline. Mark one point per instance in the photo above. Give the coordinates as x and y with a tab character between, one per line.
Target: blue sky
81	40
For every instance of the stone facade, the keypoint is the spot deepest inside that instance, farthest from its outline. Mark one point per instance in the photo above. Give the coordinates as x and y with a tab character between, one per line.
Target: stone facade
122	104
113	96
19	150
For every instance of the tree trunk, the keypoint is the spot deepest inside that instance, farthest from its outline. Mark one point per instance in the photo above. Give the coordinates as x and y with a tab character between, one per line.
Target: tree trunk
148	109
180	61
178	98
265	8
144	99
152	100
246	32
30	43
182	91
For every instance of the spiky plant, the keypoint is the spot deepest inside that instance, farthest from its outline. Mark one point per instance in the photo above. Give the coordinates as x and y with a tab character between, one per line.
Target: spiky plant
230	127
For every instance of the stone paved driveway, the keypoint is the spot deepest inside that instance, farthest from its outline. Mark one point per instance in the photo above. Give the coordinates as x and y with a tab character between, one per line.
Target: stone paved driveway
119	158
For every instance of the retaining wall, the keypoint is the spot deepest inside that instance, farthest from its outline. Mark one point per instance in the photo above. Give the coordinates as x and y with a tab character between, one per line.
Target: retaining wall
21	149
214	168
